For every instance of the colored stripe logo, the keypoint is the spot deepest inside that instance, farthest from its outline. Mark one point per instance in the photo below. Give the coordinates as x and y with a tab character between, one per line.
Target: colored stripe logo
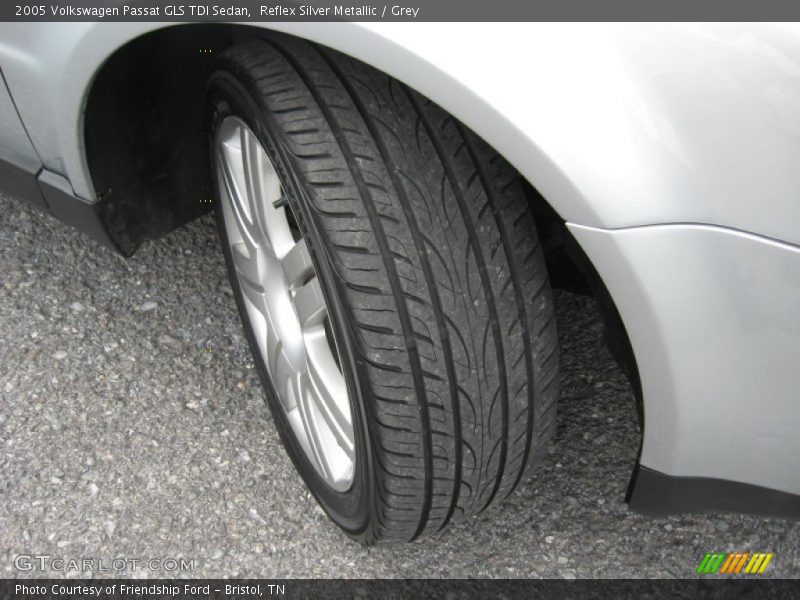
734	563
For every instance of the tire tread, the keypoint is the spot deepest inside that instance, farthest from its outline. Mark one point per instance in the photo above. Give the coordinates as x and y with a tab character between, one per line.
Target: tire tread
443	280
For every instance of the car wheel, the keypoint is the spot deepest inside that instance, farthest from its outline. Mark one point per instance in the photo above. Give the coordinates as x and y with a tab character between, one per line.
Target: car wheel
392	288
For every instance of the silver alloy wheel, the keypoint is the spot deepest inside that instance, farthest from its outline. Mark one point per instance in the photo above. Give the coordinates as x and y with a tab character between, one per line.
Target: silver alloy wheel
284	302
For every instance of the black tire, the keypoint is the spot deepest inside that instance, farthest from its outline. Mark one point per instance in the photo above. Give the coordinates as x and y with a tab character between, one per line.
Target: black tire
426	247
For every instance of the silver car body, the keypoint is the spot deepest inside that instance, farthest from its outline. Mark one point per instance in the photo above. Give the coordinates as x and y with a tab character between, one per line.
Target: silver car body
671	151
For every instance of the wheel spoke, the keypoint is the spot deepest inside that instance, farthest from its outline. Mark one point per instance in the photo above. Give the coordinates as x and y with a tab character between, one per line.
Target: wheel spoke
246	262
297	264
310	424
272	345
255	294
255	166
329	392
282	374
310	304
249	279
230	161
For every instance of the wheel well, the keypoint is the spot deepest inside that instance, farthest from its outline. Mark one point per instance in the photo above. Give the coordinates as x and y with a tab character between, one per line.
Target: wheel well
570	269
143	130
148	157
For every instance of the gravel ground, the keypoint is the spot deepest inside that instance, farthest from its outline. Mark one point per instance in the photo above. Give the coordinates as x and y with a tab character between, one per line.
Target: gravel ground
132	425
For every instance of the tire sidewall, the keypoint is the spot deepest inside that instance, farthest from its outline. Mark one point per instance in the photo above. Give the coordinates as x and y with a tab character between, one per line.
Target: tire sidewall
233	94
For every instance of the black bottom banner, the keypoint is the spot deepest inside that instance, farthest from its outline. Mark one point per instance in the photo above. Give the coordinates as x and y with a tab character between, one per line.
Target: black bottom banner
219	589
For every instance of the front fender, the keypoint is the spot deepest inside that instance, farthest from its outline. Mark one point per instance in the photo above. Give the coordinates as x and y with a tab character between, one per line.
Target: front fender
616	125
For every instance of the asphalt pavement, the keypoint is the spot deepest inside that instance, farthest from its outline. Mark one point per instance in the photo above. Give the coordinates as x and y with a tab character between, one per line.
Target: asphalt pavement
132	426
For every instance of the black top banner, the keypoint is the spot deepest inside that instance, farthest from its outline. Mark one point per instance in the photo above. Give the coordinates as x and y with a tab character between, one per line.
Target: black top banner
249	11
